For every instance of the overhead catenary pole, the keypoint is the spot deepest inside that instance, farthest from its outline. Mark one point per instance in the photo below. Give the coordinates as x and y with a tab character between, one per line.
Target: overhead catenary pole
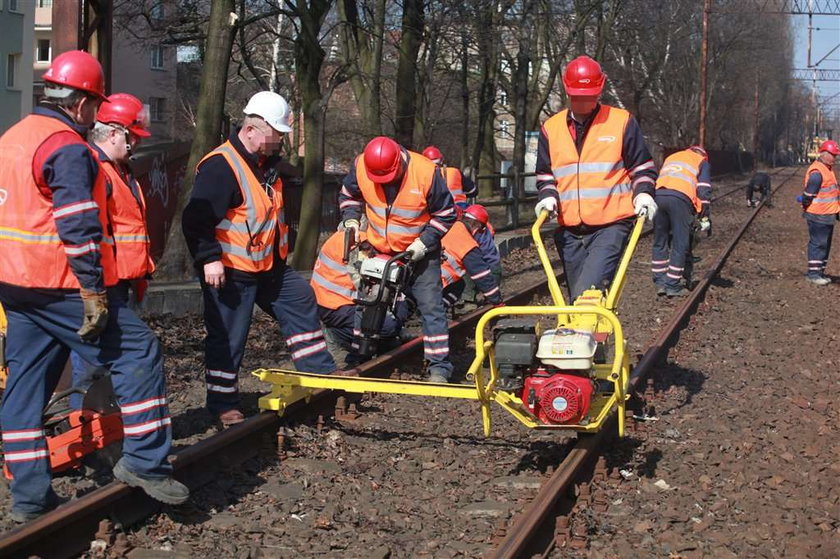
704	64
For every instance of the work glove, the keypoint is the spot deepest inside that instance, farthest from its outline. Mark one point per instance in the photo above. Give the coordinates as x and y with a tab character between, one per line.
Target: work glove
806	201
549	203
139	286
417	249
705	224
351	224
643	204
95	314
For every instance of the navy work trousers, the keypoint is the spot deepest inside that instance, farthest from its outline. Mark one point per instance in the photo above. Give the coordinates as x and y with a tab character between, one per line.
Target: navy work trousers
819	246
41	334
339	323
591	257
288	299
672	259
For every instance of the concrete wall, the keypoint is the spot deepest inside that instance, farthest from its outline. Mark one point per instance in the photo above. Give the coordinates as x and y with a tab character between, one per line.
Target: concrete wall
16	39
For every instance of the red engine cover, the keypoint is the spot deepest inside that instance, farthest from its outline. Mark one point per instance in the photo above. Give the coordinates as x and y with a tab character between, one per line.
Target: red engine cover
558	398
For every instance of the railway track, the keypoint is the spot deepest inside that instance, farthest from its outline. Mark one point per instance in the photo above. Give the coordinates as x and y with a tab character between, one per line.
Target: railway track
69	530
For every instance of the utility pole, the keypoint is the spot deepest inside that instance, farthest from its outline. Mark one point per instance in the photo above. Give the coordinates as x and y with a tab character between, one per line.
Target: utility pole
704	65
755	122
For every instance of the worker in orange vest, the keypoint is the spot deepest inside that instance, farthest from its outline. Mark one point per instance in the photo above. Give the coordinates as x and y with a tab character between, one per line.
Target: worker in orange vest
409	209
821	205
596	173
683	194
121	124
236	231
335	290
57	274
463	257
461	186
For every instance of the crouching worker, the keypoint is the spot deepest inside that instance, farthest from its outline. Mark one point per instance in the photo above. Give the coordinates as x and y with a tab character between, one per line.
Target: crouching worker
335	285
235	229
759	183
464	258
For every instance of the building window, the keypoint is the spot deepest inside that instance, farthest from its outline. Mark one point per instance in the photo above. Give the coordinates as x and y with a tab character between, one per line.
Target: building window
13	5
503	98
157	108
157	58
45	3
12	70
504	126
43	52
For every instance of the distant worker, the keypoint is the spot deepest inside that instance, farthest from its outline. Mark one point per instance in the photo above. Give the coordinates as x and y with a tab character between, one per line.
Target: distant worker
595	172
335	290
461	186
486	239
57	272
409	208
121	124
821	205
683	194
759	183
463	258
236	231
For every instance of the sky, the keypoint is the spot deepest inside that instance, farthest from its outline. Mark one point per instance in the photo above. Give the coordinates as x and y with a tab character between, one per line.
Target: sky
826	36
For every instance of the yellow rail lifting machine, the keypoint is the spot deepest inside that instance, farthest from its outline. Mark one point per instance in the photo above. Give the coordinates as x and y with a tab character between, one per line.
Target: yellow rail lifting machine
568	377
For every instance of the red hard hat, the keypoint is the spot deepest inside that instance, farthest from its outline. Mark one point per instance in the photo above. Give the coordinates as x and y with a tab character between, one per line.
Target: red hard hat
383	158
127	111
583	76
77	69
478	213
831	147
433	153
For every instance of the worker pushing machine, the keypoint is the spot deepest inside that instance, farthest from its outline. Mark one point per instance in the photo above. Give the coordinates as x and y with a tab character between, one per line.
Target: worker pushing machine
336	290
821	208
463	257
121	124
683	194
595	172
462	187
57	272
236	232
409	209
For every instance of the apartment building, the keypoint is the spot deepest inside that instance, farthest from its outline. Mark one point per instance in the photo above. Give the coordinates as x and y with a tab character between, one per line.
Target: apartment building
16	22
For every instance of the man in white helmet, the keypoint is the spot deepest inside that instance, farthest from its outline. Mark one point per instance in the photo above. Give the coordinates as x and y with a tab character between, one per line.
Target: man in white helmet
236	232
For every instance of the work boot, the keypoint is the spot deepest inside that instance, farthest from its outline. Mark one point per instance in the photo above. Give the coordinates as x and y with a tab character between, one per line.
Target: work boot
230	418
438	378
678	291
819	280
660	289
53	500
163	489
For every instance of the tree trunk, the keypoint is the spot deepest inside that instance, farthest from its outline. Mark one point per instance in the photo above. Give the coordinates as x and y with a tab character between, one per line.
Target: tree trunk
176	261
309	57
412	35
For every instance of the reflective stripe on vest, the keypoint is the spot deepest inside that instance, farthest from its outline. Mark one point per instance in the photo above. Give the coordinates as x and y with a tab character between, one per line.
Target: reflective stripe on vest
827	201
454	183
680	172
330	280
594	187
457	242
128	220
392	229
247	233
31	251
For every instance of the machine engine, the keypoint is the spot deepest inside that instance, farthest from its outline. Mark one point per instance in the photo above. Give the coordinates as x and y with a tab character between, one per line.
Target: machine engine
551	373
382	281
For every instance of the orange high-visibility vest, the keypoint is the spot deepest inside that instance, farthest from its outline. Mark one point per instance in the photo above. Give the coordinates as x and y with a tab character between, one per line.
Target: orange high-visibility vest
456	244
679	172
454	183
31	252
128	219
594	187
247	232
827	200
392	229
330	280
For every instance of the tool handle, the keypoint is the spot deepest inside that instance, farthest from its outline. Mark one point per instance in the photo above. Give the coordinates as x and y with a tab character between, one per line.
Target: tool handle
348	245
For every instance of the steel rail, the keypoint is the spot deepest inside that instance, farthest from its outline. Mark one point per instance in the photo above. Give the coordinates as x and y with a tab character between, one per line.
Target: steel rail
519	538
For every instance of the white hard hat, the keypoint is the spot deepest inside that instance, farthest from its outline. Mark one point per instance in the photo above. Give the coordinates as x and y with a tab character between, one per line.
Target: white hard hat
272	108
